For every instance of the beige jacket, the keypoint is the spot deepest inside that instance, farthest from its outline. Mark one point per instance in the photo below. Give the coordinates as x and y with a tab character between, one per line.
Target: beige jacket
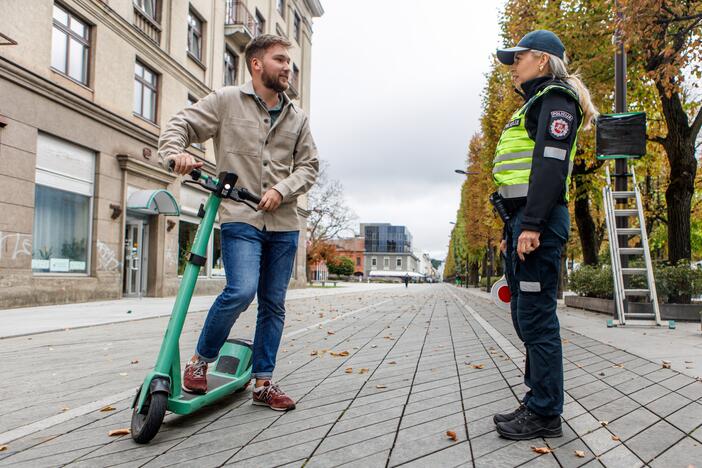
283	156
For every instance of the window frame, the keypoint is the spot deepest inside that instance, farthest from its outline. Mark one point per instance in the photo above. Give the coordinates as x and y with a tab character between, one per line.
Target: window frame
235	67
153	87
156	18
297	26
260	23
194	15
192	219
280	7
85	42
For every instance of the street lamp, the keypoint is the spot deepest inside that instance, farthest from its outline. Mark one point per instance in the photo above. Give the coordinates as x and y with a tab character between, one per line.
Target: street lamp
461	171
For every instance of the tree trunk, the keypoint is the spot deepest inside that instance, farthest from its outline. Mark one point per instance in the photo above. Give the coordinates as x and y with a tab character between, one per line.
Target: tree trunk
680	149
473	273
587	230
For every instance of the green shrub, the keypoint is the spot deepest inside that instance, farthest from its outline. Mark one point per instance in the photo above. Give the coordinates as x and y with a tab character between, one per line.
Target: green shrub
671	281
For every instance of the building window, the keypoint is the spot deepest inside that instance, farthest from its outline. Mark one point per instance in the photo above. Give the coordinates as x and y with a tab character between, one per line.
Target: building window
217	260
399	263
145	91
231	64
149	8
295	78
65	175
374	261
358	261
70	45
260	24
296	26
386	263
280	5
186	237
195	35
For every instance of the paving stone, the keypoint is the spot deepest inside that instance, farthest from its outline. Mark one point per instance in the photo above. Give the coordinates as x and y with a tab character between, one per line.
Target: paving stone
600	441
692	391
685	453
566	454
406	450
647	395
668	404
632	423
688	418
615	409
621	456
654	440
584	424
513	454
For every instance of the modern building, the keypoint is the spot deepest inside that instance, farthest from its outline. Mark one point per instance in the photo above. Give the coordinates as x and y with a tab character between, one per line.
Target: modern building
353	248
87	86
388	250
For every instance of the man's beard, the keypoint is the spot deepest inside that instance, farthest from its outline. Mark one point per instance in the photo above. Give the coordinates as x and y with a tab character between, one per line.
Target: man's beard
273	82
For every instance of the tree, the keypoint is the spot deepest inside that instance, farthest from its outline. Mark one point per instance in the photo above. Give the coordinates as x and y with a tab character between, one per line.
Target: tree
329	218
343	266
664	40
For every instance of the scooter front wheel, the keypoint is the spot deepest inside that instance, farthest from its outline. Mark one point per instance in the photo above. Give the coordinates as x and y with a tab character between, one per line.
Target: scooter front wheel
145	424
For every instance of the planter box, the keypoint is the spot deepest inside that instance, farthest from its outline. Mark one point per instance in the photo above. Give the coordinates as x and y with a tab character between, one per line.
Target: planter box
678	312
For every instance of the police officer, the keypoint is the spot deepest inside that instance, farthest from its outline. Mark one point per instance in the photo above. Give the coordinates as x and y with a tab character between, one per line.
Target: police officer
531	169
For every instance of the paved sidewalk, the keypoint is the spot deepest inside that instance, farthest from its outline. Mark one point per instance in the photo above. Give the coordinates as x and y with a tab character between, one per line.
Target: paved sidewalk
41	319
438	359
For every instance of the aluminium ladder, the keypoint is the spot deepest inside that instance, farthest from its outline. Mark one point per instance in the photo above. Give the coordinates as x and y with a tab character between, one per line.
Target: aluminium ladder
621	293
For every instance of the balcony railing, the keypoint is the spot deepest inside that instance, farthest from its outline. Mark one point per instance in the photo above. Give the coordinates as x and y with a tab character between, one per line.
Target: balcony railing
239	22
147	25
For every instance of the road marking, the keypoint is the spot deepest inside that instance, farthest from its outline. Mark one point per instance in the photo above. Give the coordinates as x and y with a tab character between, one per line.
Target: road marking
23	431
509	349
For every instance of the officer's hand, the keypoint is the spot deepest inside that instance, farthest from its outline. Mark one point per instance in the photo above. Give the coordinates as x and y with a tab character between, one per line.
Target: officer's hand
184	163
527	243
270	200
503	247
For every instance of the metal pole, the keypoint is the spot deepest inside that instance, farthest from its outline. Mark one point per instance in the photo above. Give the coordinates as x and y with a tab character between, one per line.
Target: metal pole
621	182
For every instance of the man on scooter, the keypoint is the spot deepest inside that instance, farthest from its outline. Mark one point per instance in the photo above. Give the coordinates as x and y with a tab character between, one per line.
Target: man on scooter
265	139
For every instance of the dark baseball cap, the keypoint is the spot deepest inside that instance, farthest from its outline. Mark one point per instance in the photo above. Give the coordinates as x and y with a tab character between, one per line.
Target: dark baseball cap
541	40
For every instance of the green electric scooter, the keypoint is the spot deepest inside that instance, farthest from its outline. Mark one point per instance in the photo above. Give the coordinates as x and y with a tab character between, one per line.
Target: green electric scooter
231	372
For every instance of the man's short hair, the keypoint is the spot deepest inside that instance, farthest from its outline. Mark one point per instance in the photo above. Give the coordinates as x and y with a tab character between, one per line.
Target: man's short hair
260	44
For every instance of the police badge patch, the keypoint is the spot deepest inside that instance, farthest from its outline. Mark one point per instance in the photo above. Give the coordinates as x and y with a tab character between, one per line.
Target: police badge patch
560	124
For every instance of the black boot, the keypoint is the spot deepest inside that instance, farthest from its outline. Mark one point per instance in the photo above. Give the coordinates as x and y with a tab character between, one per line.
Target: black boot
530	425
505	417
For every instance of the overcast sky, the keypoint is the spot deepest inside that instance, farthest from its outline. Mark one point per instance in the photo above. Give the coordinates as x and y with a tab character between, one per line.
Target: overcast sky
396	93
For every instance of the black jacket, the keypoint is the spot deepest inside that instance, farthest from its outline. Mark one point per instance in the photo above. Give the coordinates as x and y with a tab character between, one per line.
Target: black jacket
552	122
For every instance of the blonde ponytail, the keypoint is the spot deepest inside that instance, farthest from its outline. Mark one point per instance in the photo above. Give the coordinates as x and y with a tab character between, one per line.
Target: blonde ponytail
559	69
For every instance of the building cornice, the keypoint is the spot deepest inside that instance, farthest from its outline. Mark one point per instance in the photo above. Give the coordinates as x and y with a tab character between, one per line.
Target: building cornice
315	7
44	87
131	164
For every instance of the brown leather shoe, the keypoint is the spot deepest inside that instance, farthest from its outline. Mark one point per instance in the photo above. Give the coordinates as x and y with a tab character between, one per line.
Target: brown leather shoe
272	396
195	377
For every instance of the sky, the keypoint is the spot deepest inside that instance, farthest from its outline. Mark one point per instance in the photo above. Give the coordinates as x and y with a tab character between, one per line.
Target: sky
396	89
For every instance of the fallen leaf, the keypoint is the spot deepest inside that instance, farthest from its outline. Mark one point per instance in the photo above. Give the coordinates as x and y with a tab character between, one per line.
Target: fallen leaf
604	423
349	370
602	374
451	435
580	453
388	337
689	362
478	366
314	353
374	346
3	448
616	438
392	362
340	353
666	364
123	374
330	332
118	432
541	449
134	361
363	370
620	366
107	408
381	386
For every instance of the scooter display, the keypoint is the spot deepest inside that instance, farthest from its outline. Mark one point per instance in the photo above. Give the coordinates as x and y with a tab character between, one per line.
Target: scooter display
161	389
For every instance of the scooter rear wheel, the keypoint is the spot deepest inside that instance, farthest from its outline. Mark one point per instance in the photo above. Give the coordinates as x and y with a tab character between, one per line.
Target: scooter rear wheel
145	424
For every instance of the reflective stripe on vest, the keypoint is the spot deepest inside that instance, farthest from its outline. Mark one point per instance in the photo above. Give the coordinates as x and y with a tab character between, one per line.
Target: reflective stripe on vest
515	150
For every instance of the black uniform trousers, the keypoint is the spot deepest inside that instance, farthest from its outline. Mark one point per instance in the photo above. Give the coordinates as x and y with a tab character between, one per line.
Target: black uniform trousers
534	287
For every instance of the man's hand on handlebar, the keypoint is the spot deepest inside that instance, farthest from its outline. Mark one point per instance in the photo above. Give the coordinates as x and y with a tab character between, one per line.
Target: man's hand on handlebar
271	200
184	163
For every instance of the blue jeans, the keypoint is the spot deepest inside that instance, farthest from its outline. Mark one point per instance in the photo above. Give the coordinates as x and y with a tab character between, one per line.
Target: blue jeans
534	287
255	262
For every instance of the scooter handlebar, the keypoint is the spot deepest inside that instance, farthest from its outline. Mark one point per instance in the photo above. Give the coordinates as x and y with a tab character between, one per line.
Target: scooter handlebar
195	173
248	196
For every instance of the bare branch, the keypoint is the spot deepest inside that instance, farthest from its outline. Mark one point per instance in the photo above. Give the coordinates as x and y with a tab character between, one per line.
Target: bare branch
696	125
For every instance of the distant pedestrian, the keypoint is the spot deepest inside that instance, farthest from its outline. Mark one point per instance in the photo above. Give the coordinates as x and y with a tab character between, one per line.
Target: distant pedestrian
406	279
